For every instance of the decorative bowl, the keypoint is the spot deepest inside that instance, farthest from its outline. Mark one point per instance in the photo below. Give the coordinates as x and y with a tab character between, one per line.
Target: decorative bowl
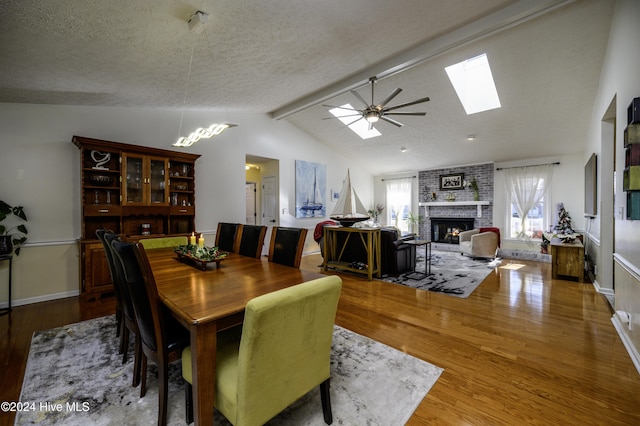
102	180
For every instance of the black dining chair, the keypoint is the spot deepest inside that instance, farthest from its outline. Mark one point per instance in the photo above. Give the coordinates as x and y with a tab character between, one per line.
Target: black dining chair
286	245
107	251
130	325
162	337
226	236
251	240
126	323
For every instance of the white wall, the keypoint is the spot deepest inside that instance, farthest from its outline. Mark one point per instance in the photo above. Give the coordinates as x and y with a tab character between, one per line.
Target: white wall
619	82
40	170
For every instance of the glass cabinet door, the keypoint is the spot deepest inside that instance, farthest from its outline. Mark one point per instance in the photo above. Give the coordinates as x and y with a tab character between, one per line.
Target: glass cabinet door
145	180
158	181
134	180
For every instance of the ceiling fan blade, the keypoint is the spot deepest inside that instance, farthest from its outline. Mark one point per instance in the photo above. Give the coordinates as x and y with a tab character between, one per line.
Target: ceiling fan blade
421	114
340	107
360	98
357	119
418	101
389	120
391	96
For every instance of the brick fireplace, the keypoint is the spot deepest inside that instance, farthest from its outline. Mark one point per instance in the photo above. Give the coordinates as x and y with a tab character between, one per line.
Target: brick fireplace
429	192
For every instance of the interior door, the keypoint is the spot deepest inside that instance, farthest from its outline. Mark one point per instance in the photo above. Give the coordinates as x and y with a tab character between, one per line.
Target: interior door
250	193
269	201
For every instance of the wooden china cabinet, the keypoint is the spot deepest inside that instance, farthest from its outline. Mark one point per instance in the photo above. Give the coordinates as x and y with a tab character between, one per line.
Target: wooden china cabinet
138	192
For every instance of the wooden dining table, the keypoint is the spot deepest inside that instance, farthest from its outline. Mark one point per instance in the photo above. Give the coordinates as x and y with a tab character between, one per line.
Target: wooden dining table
210	300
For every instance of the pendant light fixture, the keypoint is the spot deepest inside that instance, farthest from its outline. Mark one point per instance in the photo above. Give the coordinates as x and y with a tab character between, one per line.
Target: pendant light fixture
196	25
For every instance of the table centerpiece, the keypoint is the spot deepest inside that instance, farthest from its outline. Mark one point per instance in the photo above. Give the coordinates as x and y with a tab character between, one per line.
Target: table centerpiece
200	255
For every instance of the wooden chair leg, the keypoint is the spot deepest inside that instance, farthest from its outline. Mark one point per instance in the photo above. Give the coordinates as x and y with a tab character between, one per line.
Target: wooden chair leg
119	322
163	387
143	372
326	402
125	344
188	402
121	341
137	360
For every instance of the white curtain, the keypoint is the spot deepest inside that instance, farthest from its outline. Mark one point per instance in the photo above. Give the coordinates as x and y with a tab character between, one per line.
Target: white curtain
527	185
398	196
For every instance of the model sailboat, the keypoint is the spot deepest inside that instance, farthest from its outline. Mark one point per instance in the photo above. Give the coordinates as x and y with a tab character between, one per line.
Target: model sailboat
349	209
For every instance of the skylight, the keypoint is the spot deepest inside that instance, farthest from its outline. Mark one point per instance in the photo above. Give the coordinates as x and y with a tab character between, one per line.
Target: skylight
360	127
474	84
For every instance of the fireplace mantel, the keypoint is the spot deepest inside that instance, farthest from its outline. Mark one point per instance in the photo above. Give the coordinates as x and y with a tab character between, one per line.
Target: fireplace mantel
428	204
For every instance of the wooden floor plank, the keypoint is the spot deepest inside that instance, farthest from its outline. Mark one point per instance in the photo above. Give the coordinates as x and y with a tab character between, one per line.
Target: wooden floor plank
522	349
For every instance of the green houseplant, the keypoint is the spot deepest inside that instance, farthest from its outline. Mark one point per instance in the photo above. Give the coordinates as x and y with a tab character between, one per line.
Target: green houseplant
11	238
414	222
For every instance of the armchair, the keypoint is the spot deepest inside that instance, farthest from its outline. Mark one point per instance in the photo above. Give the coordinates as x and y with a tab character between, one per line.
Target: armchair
483	242
398	257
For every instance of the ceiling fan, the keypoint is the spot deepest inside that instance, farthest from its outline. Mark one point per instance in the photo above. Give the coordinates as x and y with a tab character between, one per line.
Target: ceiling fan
374	112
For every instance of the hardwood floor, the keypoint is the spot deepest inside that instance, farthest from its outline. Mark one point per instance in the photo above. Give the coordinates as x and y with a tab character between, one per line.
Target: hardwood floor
522	349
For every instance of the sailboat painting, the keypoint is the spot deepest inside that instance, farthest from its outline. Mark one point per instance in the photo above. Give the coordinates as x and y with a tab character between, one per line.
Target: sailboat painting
349	208
311	187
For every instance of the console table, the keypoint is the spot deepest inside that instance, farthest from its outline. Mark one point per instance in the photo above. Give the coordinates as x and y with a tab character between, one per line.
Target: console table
333	255
9	258
567	259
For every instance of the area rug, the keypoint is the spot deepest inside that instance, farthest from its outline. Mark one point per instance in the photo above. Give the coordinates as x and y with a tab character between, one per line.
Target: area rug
451	273
74	376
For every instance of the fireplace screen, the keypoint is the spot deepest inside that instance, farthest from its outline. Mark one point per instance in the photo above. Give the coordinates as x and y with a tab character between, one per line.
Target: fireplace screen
446	230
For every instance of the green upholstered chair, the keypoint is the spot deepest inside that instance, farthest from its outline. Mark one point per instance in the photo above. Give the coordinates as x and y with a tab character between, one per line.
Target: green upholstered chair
286	245
283	353
251	240
163	242
227	235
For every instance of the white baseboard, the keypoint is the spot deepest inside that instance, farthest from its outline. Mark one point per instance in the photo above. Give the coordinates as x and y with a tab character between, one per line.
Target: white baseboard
603	290
38	299
628	344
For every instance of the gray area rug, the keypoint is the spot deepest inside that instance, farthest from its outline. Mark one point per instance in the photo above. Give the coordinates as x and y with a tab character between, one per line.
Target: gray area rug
451	273
77	369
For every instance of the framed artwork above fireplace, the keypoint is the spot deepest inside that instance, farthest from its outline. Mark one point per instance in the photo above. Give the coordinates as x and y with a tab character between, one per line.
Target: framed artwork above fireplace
452	181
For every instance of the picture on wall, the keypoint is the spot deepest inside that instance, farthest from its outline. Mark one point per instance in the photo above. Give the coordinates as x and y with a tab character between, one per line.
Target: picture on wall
311	189
452	181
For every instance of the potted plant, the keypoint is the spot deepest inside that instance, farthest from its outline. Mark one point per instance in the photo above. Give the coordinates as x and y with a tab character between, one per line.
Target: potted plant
474	187
375	212
11	238
414	222
544	245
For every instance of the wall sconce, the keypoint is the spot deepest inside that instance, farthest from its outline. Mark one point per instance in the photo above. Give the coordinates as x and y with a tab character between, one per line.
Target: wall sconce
200	133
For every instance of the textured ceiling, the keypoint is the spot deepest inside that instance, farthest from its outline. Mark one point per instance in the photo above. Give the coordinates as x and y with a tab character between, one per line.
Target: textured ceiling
271	56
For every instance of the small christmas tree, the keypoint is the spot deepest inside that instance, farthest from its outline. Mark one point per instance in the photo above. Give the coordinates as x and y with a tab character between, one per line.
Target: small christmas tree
563	225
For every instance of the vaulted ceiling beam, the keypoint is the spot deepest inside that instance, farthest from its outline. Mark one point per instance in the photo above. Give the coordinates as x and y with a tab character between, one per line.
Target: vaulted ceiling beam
501	20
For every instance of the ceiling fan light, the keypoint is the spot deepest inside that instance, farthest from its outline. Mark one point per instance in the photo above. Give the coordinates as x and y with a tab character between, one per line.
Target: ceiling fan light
372	116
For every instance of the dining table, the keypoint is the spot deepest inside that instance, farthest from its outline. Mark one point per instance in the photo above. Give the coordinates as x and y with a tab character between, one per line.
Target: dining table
214	299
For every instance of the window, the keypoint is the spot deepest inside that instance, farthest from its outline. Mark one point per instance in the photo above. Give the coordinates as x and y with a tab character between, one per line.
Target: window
399	203
527	189
536	221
